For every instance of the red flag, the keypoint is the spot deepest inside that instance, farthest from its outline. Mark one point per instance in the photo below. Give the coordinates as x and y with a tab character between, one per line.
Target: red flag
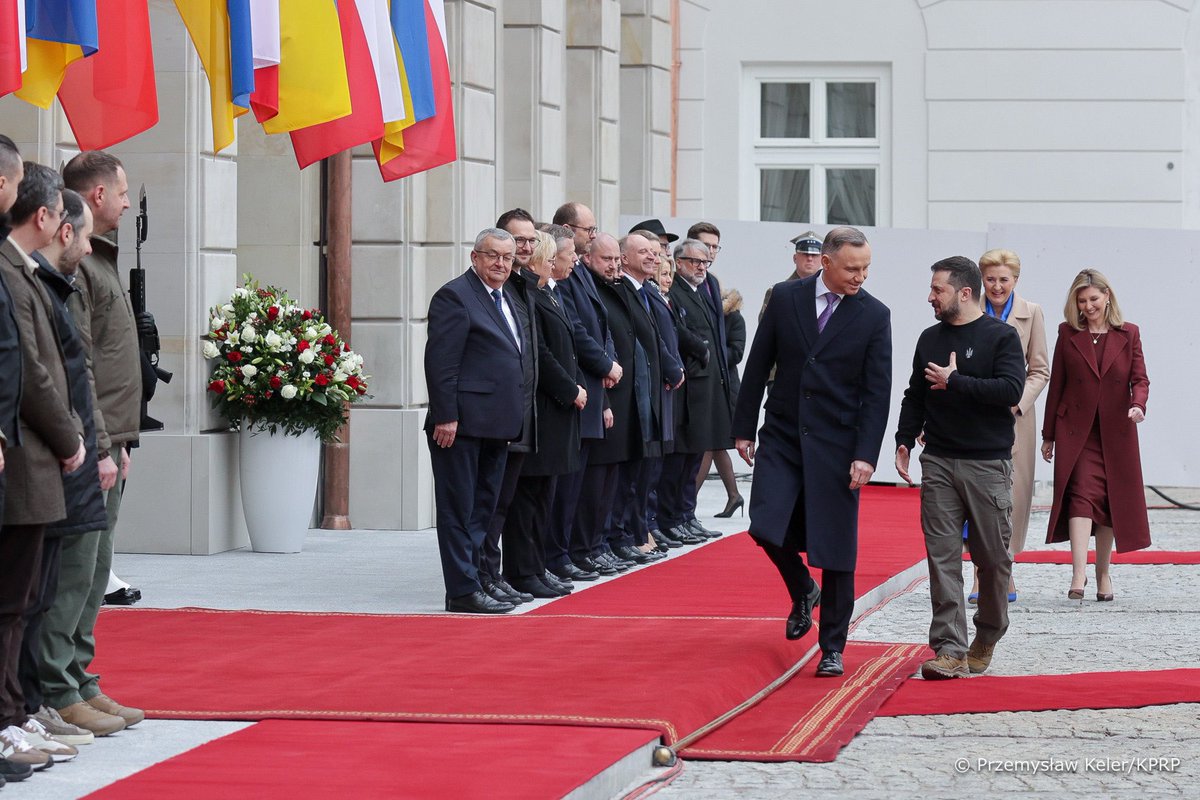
430	142
111	95
365	122
265	100
10	46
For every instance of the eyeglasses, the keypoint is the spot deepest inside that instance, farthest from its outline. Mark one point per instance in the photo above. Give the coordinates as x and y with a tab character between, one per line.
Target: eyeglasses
714	248
592	231
490	256
522	241
705	261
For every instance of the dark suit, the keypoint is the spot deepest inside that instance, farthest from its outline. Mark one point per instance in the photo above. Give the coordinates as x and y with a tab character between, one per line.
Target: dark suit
527	531
666	323
517	289
828	407
474	374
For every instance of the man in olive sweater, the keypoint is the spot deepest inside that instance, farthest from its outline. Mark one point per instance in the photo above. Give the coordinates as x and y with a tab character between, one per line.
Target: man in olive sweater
102	311
968	373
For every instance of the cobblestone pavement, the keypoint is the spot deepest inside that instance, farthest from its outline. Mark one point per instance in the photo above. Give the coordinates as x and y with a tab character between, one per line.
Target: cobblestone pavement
1154	623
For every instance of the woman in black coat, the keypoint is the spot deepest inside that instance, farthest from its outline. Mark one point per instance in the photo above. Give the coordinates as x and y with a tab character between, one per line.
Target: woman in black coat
735	348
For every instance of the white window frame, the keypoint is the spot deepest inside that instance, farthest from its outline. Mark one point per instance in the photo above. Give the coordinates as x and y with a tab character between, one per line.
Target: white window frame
818	152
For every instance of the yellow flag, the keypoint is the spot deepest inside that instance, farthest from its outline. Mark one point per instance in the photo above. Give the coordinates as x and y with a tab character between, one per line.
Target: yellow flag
47	64
392	144
313	87
207	22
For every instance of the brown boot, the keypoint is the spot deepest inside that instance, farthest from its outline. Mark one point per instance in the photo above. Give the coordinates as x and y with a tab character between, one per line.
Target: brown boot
103	702
979	657
88	718
944	667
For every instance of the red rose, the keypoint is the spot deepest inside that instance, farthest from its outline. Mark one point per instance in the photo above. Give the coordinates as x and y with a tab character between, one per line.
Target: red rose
307	314
267	394
273	312
345	347
302	345
352	382
276	382
321	380
329	360
329	340
235	356
217	386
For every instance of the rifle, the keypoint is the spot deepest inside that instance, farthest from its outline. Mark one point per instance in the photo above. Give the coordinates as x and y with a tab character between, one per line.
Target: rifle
147	329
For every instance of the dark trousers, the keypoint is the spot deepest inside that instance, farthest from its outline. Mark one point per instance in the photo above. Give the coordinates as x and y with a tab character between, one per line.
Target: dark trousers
525	529
595	501
837	593
20	571
490	559
627	523
466	482
560	544
677	488
31	642
652	474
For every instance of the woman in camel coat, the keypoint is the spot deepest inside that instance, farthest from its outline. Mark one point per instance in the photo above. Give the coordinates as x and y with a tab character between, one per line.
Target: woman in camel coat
1098	393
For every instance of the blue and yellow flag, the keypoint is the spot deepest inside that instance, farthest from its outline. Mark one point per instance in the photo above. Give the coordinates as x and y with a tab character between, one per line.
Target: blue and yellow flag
58	33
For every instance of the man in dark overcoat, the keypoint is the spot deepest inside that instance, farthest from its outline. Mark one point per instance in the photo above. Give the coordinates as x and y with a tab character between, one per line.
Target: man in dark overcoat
704	411
830	344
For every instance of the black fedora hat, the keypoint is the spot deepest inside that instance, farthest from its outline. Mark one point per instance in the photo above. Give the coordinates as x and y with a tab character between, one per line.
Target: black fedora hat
656	227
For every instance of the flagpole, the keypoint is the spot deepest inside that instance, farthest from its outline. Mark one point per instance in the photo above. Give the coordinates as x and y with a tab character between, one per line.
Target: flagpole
337	217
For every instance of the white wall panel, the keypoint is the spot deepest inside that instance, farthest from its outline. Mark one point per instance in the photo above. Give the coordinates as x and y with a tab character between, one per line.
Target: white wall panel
1054	75
1051	125
1054	25
1054	176
959	215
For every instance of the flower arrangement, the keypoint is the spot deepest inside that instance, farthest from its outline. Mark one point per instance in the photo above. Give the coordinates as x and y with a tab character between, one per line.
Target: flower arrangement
279	366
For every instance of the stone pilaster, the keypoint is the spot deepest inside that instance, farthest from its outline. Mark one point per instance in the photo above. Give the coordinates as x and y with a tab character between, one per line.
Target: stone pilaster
645	107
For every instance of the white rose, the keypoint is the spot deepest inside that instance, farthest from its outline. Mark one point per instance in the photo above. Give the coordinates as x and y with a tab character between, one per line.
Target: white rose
324	330
307	357
339	376
216	323
249	371
310	333
211	350
227	311
241	292
248	334
288	392
273	340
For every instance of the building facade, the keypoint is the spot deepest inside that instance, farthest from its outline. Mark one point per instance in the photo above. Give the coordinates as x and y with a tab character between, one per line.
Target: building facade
946	114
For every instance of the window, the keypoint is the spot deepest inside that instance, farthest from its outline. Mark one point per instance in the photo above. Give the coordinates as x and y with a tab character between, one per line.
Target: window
815	155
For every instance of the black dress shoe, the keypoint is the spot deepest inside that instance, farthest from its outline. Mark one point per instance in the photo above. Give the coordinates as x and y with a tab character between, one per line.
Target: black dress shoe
666	539
532	584
122	597
632	554
517	597
592	565
831	665
569	571
619	564
555	582
493	591
685	535
799	622
12	772
477	603
700	530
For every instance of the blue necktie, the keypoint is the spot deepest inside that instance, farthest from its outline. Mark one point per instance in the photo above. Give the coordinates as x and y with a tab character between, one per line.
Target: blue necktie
499	298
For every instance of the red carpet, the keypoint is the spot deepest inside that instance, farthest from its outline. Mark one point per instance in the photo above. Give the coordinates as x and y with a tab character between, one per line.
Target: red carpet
288	759
1045	692
732	578
811	718
529	669
1136	557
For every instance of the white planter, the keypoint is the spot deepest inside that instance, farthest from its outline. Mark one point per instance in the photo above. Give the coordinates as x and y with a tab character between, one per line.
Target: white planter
279	487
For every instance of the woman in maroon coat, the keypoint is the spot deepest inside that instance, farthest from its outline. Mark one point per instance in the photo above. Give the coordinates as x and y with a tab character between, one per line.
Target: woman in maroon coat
1098	391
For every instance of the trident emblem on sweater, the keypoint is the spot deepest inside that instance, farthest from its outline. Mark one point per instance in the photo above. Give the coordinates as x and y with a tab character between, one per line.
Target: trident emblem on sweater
970	352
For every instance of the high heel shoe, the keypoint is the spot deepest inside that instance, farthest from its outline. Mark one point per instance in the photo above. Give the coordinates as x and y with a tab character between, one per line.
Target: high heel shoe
1101	597
734	504
1077	594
